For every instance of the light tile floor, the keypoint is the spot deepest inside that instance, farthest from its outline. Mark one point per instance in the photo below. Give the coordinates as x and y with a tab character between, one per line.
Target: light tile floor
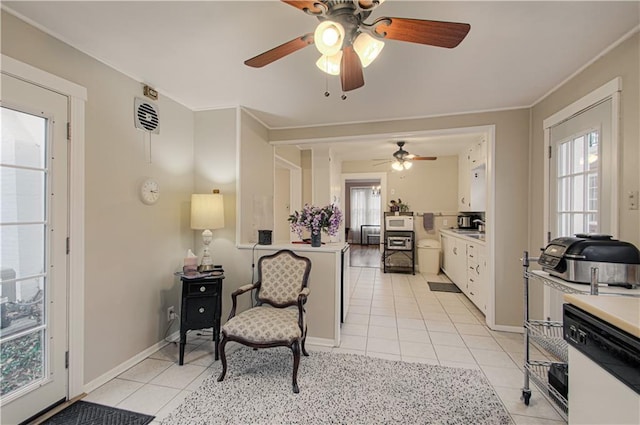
391	316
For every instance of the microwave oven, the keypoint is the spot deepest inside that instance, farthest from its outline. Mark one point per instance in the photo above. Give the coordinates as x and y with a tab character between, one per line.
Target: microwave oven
398	223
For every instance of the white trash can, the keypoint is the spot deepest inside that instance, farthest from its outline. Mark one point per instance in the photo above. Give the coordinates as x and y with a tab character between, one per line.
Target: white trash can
429	256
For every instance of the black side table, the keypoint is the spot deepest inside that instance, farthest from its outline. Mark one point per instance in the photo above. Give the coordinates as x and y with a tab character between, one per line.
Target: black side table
201	307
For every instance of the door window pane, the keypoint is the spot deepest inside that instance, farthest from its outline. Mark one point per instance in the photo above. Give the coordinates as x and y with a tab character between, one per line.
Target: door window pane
577	184
564	159
578	155
23	238
23	139
22	361
22	197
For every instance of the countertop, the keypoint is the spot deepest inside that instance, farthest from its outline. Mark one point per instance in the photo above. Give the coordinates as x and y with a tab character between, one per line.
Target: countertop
621	312
468	235
300	247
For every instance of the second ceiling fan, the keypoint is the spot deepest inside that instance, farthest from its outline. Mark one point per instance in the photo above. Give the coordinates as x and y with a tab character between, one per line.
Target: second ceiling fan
348	44
403	159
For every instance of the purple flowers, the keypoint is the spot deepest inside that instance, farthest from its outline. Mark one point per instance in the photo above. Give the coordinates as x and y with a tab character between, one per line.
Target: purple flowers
316	219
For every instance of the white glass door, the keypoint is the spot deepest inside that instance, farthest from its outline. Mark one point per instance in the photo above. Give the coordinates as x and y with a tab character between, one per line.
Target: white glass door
33	249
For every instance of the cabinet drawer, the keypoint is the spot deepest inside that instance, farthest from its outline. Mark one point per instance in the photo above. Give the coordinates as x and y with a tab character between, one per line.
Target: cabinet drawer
203	288
200	310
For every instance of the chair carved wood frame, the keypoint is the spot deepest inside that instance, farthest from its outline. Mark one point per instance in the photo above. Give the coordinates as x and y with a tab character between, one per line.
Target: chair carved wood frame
273	322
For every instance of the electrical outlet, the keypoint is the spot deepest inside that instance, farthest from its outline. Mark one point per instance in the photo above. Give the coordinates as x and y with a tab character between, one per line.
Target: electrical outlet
171	313
445	222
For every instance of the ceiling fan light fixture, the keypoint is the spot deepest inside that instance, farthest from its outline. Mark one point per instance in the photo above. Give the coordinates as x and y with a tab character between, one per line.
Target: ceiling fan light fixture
397	165
330	64
328	37
368	48
407	164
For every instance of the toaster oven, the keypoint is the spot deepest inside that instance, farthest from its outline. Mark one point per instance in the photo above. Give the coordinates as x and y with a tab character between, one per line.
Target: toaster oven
571	259
399	243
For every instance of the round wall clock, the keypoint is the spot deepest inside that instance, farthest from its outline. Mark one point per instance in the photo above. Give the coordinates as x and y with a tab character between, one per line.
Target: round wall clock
149	191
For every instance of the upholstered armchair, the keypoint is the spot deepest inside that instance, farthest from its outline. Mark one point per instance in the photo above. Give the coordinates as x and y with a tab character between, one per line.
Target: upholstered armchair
278	318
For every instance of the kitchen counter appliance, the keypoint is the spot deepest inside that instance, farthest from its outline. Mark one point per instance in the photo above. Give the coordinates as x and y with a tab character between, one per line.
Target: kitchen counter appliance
611	348
399	242
571	259
468	221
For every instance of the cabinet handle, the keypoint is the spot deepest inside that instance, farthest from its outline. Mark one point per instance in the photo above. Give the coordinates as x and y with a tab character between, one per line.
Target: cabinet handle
471	293
201	310
471	255
462	200
478	269
471	279
203	288
455	251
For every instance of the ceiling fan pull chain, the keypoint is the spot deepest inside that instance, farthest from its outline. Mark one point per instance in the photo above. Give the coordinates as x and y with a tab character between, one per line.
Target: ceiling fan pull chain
326	85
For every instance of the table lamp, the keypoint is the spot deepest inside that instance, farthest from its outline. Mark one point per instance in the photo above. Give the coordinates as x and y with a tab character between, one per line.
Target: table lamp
207	213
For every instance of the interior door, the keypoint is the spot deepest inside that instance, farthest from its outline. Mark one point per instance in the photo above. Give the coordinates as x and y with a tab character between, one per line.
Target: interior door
579	172
33	255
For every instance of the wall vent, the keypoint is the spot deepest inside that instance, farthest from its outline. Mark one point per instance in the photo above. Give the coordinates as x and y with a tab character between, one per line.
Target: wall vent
146	116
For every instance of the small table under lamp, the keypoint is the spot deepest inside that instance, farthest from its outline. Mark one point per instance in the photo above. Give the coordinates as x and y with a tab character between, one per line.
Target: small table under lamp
207	213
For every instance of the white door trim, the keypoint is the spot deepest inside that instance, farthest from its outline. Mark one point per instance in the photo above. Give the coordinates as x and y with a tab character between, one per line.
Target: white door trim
77	97
611	89
295	187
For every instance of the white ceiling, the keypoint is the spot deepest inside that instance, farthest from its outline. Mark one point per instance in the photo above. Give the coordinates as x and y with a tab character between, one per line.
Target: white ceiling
193	52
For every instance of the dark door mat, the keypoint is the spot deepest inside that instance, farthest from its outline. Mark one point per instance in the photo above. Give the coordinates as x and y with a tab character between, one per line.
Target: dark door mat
443	287
87	413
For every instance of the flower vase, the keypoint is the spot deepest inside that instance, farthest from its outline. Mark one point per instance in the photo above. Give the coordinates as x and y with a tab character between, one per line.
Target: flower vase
316	240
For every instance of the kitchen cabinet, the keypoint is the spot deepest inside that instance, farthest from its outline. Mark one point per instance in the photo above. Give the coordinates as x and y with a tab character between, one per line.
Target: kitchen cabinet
444	246
454	261
477	283
472	178
465	262
464	182
478	191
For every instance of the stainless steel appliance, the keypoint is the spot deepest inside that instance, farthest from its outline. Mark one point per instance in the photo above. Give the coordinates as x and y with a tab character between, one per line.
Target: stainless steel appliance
613	349
467	221
394	223
399	243
571	259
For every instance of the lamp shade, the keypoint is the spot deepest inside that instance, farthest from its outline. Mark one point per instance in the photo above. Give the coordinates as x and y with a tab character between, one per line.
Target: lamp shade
367	48
328	37
207	211
330	64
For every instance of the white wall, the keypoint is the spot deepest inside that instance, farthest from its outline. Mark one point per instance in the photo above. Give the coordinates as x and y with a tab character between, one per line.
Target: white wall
132	249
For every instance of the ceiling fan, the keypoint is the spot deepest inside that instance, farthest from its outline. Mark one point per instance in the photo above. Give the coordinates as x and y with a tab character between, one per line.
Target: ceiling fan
348	44
402	159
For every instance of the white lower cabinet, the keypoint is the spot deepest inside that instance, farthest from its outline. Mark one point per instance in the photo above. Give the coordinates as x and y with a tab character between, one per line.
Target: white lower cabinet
465	263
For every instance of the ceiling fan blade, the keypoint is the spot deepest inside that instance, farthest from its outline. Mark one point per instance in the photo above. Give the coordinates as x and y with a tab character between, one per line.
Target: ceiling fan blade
281	51
424	158
351	75
433	33
302	5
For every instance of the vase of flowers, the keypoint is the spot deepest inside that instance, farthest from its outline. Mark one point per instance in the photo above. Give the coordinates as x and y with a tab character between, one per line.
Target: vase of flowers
316	220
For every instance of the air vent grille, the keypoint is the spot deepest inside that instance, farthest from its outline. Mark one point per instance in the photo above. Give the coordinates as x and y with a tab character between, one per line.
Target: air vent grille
146	116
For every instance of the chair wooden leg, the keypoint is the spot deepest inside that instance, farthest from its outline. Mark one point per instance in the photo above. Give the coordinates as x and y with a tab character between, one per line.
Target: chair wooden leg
304	340
223	358
295	347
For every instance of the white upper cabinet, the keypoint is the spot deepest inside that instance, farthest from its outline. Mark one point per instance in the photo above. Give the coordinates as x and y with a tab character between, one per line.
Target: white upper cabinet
472	192
464	183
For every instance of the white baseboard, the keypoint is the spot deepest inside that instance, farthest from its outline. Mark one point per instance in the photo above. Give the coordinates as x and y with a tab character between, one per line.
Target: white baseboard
324	342
108	376
504	328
